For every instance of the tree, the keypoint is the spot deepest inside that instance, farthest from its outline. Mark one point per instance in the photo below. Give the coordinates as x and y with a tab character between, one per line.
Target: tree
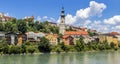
79	44
22	27
10	27
2	27
112	45
30	49
44	45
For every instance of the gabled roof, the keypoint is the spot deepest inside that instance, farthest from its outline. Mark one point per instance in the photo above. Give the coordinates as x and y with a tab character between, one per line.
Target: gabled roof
65	36
114	33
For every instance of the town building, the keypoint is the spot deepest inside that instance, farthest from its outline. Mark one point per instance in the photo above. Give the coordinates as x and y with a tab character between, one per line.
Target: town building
21	38
109	38
62	26
77	34
34	37
53	38
5	18
11	38
68	40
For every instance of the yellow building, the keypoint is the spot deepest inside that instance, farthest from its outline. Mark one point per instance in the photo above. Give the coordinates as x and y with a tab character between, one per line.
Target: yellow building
21	38
109	39
53	38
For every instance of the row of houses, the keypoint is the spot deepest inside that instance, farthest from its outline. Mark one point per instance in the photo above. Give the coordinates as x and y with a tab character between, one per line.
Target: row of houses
18	39
69	38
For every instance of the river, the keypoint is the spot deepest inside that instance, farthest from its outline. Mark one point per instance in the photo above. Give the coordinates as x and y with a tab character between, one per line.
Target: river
103	57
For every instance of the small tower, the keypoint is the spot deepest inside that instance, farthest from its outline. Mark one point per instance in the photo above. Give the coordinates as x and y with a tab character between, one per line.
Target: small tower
62	26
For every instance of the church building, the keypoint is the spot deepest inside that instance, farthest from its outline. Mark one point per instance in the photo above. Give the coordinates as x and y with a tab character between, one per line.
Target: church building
62	26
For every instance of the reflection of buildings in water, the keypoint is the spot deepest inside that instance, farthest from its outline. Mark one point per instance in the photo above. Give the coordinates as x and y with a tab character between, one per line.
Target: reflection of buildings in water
85	59
53	59
113	57
63	59
109	58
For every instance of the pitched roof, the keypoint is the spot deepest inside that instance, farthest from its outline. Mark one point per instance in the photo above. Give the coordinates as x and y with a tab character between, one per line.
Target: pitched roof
65	36
76	33
114	33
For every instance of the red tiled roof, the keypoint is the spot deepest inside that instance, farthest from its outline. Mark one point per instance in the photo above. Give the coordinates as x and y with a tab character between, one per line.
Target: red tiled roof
114	33
76	33
65	36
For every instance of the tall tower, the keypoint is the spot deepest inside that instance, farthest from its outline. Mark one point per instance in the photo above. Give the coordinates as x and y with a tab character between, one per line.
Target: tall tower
62	26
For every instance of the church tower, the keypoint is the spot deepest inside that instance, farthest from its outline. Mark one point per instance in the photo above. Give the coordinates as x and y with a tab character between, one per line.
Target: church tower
62	26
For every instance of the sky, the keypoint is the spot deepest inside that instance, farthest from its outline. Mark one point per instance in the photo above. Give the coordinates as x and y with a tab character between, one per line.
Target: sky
101	15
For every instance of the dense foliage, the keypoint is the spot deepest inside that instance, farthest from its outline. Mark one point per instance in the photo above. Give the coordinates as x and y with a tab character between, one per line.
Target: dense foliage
23	25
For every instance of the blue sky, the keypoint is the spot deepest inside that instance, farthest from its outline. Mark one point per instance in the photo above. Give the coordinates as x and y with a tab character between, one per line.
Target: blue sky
50	10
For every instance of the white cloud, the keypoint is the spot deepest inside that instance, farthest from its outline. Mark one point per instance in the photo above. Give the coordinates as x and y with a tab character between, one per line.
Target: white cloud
117	27
86	23
38	18
69	19
45	17
113	20
6	14
82	16
52	19
97	22
94	9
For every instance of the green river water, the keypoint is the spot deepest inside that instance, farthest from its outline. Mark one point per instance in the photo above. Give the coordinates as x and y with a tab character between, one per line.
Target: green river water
103	57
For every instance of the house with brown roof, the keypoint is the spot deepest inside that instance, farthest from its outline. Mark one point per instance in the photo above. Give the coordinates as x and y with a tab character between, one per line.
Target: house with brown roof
76	34
68	40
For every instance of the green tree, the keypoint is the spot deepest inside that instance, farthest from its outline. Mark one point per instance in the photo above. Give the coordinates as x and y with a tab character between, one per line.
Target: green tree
44	45
22	27
2	27
31	49
112	45
79	44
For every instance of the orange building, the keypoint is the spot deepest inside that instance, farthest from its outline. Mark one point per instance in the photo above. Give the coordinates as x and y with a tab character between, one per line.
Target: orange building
68	40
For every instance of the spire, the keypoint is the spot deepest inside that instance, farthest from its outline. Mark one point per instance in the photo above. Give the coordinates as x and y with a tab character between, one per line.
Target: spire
62	12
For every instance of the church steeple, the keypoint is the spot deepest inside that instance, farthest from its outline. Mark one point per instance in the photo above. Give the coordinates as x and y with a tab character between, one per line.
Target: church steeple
62	26
62	15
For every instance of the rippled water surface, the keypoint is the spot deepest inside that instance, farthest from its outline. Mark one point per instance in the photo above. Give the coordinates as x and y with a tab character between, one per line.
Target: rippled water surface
105	57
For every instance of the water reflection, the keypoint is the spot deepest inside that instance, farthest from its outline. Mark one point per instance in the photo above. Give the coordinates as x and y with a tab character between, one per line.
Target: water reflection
104	57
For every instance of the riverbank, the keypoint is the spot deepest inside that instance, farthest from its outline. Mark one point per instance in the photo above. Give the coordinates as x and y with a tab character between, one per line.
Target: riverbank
39	53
